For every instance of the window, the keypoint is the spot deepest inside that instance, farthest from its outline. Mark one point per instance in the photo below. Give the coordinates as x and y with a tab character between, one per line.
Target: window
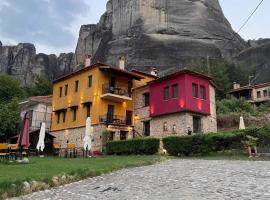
259	94
111	136
175	91
165	126
74	114
60	91
146	128
58	117
202	92
64	116
194	90
265	93
166	93
146	99
66	90
76	86
89	81
88	110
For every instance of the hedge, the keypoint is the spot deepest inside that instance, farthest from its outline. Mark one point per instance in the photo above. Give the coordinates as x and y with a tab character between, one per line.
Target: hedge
213	142
146	146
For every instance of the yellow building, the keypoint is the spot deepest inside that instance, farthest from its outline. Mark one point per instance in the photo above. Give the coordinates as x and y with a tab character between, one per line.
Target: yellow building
100	91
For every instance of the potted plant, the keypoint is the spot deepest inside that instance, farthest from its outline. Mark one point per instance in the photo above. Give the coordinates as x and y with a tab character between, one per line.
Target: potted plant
249	143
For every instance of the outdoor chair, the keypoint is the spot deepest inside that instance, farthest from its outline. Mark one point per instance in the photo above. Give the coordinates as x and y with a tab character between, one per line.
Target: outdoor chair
56	149
4	152
71	151
24	152
13	151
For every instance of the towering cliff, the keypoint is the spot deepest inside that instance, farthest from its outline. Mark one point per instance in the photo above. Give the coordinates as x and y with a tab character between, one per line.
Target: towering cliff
162	33
167	34
22	62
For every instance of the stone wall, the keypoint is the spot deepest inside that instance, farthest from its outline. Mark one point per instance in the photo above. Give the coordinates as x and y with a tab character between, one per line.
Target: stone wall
181	121
141	112
76	135
178	123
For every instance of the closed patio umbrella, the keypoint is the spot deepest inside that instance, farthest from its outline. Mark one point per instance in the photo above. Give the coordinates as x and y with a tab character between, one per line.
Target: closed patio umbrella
23	139
242	124
87	139
41	144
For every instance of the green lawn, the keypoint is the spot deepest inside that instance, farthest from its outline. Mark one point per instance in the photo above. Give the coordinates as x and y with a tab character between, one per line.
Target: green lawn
45	168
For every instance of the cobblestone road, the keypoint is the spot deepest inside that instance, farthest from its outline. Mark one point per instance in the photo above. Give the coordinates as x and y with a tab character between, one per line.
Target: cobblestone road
173	179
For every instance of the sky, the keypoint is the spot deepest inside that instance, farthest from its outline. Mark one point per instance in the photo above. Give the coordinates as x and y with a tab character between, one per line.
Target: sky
53	25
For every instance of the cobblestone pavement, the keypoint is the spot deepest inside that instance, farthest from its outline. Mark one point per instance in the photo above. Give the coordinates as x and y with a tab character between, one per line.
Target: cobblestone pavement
173	179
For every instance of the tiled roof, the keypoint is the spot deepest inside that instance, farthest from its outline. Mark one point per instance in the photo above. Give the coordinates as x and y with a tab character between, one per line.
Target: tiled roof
102	67
41	99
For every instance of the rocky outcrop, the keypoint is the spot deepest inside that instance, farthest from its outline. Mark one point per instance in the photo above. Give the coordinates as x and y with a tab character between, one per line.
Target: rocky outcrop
162	33
256	58
22	63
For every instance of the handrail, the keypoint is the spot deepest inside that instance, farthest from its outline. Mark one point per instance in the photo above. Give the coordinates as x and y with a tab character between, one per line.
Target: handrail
118	90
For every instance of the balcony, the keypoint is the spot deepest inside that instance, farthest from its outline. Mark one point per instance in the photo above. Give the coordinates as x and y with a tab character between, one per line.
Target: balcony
117	93
115	120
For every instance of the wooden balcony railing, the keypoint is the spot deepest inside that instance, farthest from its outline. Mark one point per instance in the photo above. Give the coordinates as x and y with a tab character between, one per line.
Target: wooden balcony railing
118	90
115	120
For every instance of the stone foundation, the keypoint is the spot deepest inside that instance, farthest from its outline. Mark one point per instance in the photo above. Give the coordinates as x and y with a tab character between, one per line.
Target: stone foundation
76	135
178	123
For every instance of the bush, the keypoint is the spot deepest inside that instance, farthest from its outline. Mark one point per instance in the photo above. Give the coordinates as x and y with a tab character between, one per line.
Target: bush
213	142
147	146
233	105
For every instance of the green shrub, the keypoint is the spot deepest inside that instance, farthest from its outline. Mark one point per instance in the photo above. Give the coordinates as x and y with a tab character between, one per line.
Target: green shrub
147	146
213	142
233	105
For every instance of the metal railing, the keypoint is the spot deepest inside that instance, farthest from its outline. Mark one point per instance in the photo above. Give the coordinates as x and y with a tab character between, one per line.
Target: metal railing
115	120
118	90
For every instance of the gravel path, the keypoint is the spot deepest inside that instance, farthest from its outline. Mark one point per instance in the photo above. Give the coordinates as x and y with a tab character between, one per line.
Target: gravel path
173	179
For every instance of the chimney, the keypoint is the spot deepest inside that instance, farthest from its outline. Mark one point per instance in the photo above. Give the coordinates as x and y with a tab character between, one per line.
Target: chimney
122	62
236	85
154	71
88	61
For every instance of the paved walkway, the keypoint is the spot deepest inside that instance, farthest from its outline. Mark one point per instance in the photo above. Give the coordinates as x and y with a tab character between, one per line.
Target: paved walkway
173	179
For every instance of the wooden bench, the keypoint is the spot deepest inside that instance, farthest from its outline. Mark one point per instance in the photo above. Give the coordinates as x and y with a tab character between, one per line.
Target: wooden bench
4	151
71	151
13	151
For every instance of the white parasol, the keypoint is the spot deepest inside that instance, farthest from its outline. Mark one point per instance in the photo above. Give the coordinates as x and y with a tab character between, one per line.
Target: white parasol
41	144
87	139
242	124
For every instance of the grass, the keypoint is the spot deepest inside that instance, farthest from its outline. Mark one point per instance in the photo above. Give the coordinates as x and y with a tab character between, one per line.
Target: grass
12	175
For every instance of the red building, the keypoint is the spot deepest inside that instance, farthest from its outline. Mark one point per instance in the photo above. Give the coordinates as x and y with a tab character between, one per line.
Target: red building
180	102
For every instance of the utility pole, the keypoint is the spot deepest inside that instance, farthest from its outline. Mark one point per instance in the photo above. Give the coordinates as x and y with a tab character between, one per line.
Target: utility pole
208	66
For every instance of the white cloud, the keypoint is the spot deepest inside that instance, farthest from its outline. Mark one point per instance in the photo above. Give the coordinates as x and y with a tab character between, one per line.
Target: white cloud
4	4
47	49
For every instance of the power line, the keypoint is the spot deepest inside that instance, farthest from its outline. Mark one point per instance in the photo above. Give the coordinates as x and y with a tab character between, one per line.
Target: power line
245	23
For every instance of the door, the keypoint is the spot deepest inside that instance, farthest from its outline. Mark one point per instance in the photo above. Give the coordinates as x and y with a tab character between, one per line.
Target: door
129	118
146	128
197	124
123	135
110	113
112	85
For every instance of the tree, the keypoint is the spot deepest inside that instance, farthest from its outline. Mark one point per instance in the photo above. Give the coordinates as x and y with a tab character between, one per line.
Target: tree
10	120
9	89
42	87
223	74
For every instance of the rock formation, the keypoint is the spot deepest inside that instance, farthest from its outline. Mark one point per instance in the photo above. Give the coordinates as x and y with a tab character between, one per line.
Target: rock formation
24	64
167	34
256	58
161	33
